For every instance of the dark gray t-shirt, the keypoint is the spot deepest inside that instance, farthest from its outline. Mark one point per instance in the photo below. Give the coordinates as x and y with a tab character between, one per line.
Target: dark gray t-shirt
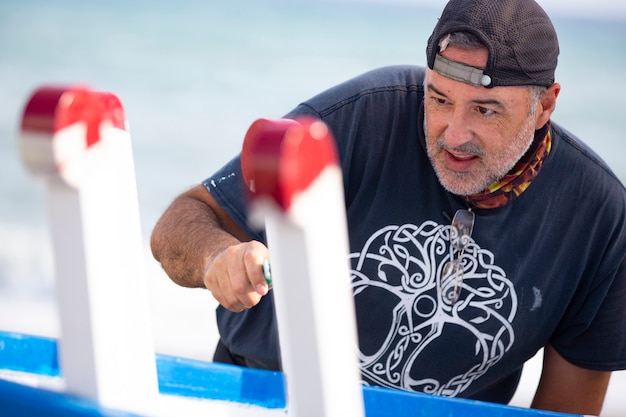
547	267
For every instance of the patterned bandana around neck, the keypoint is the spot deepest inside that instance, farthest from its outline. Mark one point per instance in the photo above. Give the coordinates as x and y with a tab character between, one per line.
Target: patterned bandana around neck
519	178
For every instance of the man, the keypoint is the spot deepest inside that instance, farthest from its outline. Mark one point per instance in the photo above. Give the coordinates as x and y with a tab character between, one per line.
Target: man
480	231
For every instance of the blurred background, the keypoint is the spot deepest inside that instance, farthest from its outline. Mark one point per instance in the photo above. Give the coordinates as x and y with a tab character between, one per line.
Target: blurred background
193	75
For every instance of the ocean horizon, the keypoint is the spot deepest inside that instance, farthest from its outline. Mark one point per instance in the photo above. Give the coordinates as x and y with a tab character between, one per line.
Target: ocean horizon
193	76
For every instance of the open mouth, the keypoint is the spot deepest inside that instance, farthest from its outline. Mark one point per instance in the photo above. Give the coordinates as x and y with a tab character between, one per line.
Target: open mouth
458	161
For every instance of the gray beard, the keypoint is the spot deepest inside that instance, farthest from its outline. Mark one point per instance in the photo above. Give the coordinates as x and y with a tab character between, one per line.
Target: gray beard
460	183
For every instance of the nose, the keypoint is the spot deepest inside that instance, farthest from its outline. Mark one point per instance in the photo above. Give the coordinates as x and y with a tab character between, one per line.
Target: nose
458	129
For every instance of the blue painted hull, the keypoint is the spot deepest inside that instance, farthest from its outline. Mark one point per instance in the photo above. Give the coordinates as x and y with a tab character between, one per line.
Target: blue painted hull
207	380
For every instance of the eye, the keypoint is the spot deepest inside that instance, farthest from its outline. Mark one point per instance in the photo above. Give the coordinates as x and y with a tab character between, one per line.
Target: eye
438	100
485	111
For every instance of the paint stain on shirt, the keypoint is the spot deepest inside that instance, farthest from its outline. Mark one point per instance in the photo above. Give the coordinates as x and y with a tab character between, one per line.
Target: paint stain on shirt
538	299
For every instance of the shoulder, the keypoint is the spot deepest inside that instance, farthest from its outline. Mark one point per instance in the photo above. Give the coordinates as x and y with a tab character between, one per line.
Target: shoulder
385	83
581	179
395	77
585	161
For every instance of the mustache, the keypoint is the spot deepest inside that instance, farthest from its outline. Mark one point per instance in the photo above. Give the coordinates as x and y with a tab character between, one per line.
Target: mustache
467	148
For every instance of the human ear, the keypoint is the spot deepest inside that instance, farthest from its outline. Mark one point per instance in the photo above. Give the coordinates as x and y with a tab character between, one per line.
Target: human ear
547	105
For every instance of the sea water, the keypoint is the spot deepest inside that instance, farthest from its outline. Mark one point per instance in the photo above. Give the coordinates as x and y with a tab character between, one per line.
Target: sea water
193	75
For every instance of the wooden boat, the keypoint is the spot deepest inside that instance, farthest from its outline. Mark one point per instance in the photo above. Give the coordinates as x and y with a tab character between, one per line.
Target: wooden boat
76	140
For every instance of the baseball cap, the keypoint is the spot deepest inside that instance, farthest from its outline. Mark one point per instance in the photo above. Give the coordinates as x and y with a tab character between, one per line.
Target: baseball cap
521	40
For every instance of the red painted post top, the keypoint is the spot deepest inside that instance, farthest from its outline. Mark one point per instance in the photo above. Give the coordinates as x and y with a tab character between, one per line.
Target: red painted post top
53	108
281	158
50	143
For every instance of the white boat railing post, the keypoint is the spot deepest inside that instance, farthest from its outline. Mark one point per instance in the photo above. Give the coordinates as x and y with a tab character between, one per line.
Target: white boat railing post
296	188
77	141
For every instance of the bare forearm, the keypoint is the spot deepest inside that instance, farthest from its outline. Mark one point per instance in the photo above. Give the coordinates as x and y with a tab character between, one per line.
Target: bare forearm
567	388
200	245
186	237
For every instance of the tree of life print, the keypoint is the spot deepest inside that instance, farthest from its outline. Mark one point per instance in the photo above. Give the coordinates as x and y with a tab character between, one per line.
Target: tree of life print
397	277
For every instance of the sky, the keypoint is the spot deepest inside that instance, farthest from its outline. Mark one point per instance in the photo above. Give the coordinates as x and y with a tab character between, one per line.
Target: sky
608	9
595	8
